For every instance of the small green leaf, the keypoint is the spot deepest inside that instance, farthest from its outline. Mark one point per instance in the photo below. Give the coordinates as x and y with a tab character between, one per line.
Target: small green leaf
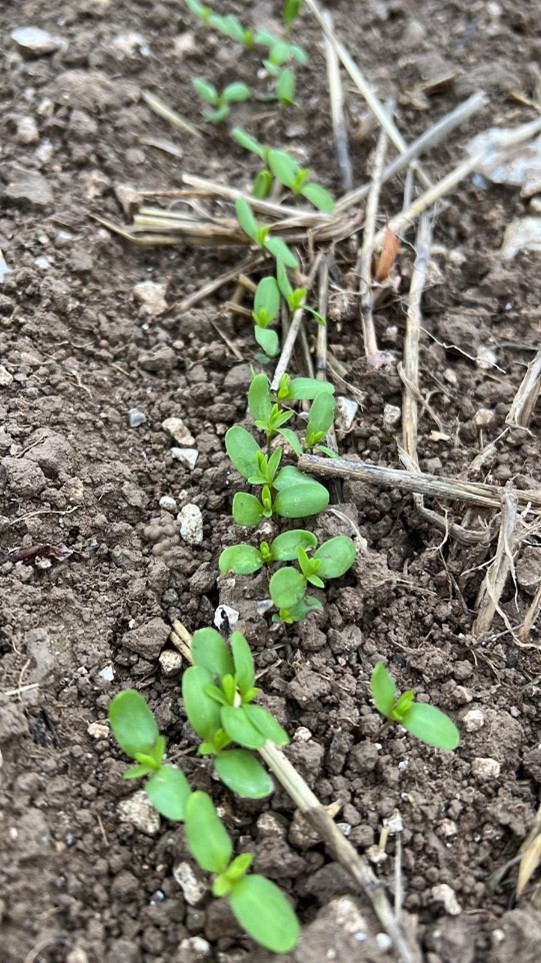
284	547
239	728
137	772
268	340
284	168
239	867
403	705
262	184
242	559
383	688
247	509
267	724
243	661
320	418
300	501
243	449
236	92
202	712
283	282
246	219
432	726
241	772
335	556
132	722
318	197
259	396
267	297
287	587
215	116
263	911
291	12
307	389
292	439
285	87
168	791
249	143
279	250
207	838
206	90
210	651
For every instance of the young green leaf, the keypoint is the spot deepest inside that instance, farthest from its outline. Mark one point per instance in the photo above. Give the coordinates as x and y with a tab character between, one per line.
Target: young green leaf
262	184
267	724
206	91
206	836
239	728
268	340
200	10
335	556
202	712
215	116
383	689
299	611
236	92
284	168
132	722
242	559
279	250
243	661
241	772
249	143
291	12
285	87
247	509
318	197
263	911
305	389
246	219
168	791
243	449
287	587
211	652
284	547
300	501
266	301
320	418
432	726
137	772
259	396
292	439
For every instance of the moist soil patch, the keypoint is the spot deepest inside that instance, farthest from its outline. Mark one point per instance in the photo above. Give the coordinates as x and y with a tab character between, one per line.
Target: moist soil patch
90	611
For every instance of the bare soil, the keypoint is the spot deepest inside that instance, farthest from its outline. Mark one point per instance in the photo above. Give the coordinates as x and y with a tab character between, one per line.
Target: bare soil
80	350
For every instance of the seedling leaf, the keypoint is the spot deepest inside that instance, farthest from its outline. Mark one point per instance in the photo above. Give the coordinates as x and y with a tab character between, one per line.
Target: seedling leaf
242	559
335	556
241	772
308	389
284	168
239	728
206	90
318	197
263	911
266	724
247	509
243	450
249	143
243	662
268	340
211	652
292	439
168	791
284	547
320	418
207	838
285	87
236	92
383	688
431	725
132	722
300	501
287	587
202	712
259	397
279	250
267	299
246	219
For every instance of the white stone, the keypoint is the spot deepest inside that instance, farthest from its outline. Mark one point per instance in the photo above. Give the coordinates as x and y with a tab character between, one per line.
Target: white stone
394	822
170	662
98	730
107	673
168	503
136	418
27	132
484	417
151	296
36	41
391	417
5	377
139	811
193	885
448	828
485	767
178	431
442	893
232	616
346	409
473	720
195	948
375	854
191	524
302	734
188	456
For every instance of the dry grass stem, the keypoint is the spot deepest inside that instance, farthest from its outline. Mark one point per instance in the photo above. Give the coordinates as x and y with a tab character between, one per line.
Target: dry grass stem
488	599
531	617
167	113
337	110
291	337
442	128
250	264
364	263
435	486
526	397
411	340
323	303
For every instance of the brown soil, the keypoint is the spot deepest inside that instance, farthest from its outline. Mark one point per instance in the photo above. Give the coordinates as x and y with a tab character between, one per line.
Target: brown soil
80	351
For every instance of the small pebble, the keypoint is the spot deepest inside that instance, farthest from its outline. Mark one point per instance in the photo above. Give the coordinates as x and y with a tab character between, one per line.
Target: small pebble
485	767
178	431
473	720
346	409
448	828
168	503
98	730
375	854
136	418
151	296
394	822
188	456
139	811
193	885
484	417
5	377
391	417
27	132
302	734
442	893
36	41
170	662
193	949
191	524
224	612
107	673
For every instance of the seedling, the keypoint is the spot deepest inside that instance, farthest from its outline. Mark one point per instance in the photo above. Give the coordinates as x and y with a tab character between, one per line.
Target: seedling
221	103
200	9
290	12
279	164
426	722
285	88
266	308
260	234
259	906
244	559
288	585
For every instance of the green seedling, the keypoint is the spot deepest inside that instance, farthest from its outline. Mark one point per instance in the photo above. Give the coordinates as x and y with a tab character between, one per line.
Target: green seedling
221	102
288	586
280	52
270	416
259	906
230	26
260	235
200	10
290	12
246	559
285	87
266	309
296	179
426	722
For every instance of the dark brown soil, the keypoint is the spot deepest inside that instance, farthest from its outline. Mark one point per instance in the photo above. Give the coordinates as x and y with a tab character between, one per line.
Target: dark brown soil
79	351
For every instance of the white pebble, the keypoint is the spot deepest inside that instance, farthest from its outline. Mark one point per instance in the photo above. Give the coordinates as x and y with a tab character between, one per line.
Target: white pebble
168	503
139	811
136	418
485	767
107	673
394	822
188	456
36	41
98	730
170	662
391	417
442	893
5	377
193	886
232	616
302	734
191	524
473	720
151	296
196	947
346	409
27	131
375	854
178	431
448	828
